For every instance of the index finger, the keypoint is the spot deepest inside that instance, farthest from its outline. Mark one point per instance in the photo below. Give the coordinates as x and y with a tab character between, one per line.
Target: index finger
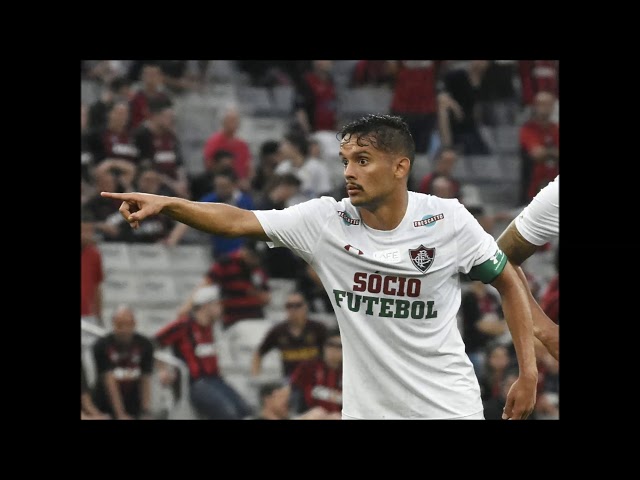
119	196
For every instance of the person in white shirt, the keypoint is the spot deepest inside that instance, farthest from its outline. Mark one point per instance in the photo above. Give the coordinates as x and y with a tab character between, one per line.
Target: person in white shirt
536	225
390	259
312	172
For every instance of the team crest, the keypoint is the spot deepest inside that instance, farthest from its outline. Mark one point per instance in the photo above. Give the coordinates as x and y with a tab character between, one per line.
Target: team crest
422	257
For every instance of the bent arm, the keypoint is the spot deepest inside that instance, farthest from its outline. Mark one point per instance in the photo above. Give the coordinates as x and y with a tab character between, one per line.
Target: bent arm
517	250
517	313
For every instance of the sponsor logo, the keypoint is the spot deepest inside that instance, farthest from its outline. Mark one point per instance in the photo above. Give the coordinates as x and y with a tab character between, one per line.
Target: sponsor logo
351	249
346	218
428	220
422	257
391	255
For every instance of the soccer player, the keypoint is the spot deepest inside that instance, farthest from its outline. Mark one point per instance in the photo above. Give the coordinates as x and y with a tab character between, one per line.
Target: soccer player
536	225
390	259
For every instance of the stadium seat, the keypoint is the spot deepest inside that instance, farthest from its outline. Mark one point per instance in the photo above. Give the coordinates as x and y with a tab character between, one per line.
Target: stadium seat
158	289
150	320
119	287
190	258
115	256
150	257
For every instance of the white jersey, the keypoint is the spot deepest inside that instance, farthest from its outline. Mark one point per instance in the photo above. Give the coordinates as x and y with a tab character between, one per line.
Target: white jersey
396	294
539	222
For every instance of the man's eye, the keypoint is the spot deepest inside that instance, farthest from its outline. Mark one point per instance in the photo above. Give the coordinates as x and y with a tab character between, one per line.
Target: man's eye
345	163
363	161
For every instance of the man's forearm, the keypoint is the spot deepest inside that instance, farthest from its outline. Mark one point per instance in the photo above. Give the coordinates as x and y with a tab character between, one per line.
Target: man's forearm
215	218
544	328
517	313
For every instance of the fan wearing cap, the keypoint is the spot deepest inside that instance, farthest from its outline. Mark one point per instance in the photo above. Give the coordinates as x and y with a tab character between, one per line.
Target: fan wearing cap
191	337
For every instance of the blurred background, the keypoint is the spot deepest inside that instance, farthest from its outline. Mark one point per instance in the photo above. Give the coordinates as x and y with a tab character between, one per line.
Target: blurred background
261	134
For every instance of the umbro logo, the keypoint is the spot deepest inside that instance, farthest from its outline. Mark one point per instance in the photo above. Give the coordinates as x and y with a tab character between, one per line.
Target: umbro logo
351	249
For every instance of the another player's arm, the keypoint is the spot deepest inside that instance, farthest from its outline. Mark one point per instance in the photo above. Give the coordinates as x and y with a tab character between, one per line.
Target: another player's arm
518	249
214	218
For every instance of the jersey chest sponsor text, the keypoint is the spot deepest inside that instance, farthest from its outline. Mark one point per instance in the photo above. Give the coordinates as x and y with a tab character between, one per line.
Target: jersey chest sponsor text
403	305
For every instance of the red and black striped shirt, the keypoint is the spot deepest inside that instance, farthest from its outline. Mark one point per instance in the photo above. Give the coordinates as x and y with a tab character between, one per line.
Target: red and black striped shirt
320	384
240	287
193	343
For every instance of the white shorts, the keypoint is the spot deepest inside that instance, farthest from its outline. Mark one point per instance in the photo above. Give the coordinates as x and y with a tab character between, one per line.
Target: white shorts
473	416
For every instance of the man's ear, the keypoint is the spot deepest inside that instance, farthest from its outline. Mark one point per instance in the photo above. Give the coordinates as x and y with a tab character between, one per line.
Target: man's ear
403	166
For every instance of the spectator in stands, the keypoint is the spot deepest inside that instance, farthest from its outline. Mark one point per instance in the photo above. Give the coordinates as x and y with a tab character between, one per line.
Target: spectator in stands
114	139
275	399
499	361
371	73
106	216
267	163
192	339
316	98
88	409
117	90
225	190
297	337
105	71
160	148
498	100
444	164
414	97
280	262
459	115
318	382
202	183
482	322
539	148
309	284
538	76
312	172
226	138
180	75
87	162
124	364
91	272
152	87
243	285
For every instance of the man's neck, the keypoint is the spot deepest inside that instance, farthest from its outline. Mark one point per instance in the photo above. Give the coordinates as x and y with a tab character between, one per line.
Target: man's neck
387	215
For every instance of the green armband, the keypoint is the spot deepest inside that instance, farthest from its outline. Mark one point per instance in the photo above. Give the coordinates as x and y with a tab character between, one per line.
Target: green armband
487	271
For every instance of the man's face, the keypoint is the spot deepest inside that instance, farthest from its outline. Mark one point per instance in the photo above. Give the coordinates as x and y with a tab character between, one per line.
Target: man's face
543	105
119	115
151	77
296	308
371	174
224	187
124	326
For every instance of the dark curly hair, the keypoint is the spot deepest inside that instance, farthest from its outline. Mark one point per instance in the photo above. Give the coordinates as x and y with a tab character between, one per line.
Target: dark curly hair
388	133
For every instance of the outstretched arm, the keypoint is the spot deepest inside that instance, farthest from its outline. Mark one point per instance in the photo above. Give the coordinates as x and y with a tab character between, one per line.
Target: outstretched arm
518	249
215	218
522	396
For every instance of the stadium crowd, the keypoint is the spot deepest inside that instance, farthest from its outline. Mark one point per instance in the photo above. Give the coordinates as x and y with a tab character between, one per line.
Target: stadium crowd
472	121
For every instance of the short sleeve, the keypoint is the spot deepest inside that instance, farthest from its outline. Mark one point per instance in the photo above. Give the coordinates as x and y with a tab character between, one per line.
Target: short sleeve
299	227
474	244
539	222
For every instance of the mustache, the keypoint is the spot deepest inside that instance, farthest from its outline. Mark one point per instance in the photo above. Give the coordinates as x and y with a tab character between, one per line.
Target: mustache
351	184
